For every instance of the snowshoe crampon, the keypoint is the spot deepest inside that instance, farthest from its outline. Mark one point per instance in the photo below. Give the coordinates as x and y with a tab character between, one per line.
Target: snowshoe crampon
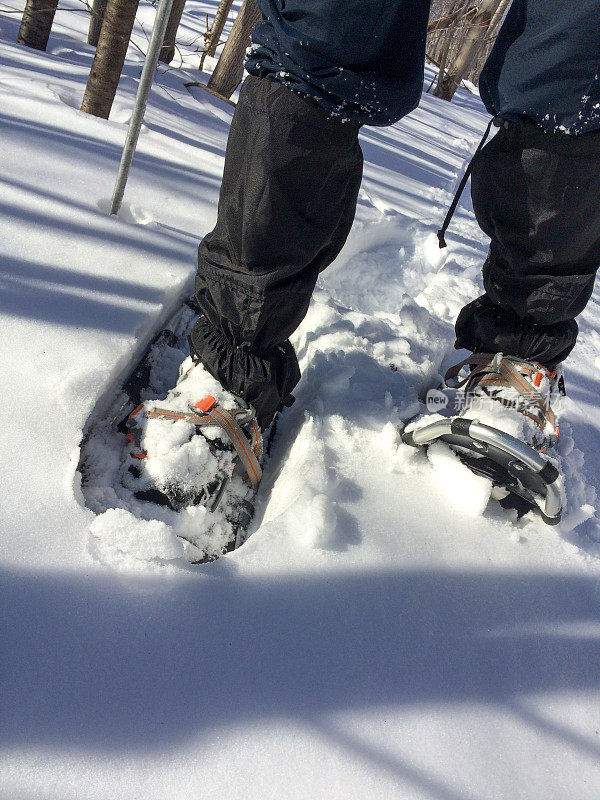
514	396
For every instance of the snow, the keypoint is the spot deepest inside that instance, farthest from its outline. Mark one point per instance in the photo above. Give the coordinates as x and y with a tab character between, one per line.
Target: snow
470	491
383	632
121	540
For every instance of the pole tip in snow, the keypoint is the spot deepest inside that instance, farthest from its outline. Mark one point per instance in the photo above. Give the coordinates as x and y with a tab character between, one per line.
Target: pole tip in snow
116	202
441	239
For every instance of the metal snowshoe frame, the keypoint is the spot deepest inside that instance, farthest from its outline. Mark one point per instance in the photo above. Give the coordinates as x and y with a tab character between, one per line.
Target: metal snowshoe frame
522	477
506	461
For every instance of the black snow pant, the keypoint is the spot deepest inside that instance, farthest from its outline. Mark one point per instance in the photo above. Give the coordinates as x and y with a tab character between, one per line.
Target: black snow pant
537	196
287	202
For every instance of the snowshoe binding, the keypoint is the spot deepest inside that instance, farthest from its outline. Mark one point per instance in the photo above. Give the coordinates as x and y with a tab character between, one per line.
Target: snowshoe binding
504	429
200	446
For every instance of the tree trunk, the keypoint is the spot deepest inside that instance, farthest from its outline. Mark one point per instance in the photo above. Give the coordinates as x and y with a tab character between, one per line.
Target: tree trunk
490	38
36	23
230	67
497	18
96	20
167	53
475	39
213	36
110	57
444	59
449	36
446	16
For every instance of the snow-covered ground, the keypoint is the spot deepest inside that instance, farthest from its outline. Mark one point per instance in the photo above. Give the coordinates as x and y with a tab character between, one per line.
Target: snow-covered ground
383	633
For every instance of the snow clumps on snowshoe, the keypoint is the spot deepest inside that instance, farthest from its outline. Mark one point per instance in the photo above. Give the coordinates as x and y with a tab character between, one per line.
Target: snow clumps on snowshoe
199	447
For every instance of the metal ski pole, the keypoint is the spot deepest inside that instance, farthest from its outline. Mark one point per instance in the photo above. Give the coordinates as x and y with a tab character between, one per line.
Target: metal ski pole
141	100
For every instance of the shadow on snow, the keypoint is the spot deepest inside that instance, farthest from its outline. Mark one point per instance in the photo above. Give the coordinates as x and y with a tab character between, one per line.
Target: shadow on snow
88	663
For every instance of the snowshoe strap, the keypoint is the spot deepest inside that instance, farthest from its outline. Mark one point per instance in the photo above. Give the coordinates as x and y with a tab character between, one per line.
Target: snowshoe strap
496	370
248	450
227	421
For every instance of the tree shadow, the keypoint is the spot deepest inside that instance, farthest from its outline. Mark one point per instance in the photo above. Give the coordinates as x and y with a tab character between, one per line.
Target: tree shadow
88	663
84	144
394	765
36	291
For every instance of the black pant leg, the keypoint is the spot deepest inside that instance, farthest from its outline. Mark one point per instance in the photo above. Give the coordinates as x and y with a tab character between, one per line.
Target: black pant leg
288	198
537	196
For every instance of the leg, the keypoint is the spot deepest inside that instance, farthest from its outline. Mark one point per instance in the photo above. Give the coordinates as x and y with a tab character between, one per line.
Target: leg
537	196
287	202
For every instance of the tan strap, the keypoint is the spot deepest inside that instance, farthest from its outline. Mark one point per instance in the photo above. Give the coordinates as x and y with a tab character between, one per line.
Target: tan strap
496	369
481	359
248	452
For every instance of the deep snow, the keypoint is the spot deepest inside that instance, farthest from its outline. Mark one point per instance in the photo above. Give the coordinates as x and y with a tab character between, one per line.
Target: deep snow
383	632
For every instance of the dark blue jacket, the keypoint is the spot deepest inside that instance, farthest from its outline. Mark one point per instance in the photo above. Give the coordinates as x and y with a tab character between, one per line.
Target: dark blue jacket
363	59
360	59
545	65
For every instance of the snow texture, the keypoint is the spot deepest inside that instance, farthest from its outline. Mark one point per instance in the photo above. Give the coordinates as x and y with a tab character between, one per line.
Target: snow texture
384	631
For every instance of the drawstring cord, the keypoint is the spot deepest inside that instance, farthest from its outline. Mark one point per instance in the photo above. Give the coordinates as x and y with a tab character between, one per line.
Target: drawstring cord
462	184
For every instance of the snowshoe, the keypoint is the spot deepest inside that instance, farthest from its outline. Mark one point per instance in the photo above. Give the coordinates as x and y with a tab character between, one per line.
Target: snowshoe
504	429
175	447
